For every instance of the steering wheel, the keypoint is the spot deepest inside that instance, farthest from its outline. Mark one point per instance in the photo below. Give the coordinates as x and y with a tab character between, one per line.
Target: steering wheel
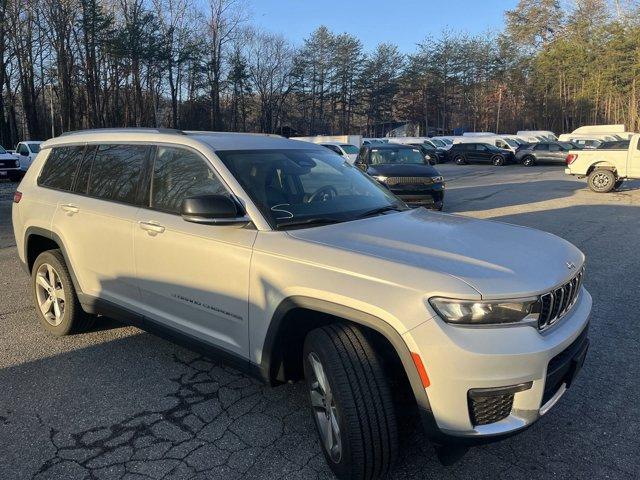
323	194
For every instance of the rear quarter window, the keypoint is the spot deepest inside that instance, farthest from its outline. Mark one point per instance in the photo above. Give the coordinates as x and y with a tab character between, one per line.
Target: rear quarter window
60	168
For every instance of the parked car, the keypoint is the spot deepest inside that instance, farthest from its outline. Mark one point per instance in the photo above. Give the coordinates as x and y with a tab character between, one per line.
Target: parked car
468	152
9	166
432	154
26	152
350	152
606	168
540	153
541	135
292	264
404	170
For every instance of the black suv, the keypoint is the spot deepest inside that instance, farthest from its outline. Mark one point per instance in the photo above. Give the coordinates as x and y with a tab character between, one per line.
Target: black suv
403	170
544	152
462	153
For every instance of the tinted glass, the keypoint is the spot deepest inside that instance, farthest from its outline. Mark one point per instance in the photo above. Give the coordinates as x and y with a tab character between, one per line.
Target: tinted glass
178	174
292	185
2	150
60	168
554	148
349	149
35	147
23	150
395	156
542	147
116	170
481	148
81	183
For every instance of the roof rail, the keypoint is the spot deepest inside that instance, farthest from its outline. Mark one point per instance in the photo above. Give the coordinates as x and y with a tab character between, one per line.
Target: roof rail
170	131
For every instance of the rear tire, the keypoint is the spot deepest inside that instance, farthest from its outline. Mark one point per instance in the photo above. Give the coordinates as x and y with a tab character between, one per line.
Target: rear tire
57	304
354	413
459	160
602	181
528	161
497	160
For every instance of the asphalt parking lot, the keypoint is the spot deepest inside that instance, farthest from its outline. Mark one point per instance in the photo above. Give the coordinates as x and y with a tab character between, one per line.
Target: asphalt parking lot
122	403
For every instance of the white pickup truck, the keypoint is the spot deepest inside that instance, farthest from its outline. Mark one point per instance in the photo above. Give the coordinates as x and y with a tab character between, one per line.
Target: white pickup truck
606	169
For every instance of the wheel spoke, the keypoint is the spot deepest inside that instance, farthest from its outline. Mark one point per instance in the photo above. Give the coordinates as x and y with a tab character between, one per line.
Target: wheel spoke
327	435
56	309
58	293
42	281
52	275
319	373
317	399
45	306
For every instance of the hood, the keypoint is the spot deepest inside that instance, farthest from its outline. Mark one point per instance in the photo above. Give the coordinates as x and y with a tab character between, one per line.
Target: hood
496	259
8	156
398	170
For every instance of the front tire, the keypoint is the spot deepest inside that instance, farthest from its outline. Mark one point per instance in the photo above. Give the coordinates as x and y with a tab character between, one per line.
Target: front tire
57	304
602	181
351	402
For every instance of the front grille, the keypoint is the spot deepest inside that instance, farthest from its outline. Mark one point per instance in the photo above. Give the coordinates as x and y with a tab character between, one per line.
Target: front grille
7	164
486	409
555	304
392	181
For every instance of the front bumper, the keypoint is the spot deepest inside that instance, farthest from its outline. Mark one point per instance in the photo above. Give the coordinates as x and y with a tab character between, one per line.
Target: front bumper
430	198
463	359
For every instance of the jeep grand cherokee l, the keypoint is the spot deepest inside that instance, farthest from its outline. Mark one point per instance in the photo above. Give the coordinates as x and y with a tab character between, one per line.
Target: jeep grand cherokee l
283	258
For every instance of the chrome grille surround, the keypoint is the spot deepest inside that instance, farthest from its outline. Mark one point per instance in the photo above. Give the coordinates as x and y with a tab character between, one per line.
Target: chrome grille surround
555	304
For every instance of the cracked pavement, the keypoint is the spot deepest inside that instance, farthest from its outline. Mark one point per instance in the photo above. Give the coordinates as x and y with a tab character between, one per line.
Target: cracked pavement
119	403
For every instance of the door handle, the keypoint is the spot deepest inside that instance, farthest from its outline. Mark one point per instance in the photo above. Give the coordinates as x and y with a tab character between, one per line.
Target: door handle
70	208
152	227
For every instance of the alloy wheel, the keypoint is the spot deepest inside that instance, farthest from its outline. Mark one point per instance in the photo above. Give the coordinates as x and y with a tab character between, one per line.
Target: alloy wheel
50	294
324	408
601	181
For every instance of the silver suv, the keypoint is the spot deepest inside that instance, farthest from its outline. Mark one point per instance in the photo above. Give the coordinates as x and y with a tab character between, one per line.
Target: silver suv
283	258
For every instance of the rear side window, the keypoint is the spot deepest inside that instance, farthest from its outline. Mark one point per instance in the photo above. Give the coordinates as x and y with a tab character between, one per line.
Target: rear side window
59	170
178	174
116	171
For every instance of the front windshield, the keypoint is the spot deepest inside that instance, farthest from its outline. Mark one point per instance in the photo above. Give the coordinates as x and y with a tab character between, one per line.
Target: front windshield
438	143
34	147
403	156
294	186
350	149
511	143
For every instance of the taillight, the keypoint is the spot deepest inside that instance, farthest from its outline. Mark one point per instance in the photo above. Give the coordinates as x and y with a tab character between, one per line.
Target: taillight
17	196
572	157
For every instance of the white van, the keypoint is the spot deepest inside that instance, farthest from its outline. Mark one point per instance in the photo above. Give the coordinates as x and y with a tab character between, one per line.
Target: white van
547	135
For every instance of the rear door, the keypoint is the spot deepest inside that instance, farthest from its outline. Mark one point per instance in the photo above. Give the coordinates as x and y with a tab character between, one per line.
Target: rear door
482	153
557	153
97	221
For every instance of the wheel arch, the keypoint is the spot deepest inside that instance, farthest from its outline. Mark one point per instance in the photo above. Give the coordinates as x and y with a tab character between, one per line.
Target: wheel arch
286	335
602	165
38	240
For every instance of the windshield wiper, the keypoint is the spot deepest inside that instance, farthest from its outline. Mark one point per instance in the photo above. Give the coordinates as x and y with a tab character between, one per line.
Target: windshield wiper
381	210
308	222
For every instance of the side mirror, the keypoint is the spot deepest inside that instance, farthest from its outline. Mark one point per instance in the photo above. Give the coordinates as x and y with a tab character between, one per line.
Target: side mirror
213	210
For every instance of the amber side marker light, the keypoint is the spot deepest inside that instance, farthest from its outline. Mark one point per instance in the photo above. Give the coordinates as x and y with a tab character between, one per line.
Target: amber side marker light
421	370
17	196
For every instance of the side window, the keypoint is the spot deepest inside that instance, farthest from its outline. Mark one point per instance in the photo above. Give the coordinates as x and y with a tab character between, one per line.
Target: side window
23	150
362	155
60	168
501	144
333	148
81	183
554	148
480	147
178	174
542	147
116	171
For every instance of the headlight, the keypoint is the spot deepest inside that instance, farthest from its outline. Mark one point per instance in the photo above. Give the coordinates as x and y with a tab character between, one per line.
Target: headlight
380	178
477	312
437	179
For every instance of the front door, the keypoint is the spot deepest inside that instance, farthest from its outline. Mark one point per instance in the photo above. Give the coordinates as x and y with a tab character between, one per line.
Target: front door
192	277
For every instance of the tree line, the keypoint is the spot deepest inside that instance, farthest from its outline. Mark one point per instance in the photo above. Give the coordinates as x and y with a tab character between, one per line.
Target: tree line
73	64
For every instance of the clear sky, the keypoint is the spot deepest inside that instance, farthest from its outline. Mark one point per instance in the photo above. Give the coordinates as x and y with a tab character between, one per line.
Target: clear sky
403	22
